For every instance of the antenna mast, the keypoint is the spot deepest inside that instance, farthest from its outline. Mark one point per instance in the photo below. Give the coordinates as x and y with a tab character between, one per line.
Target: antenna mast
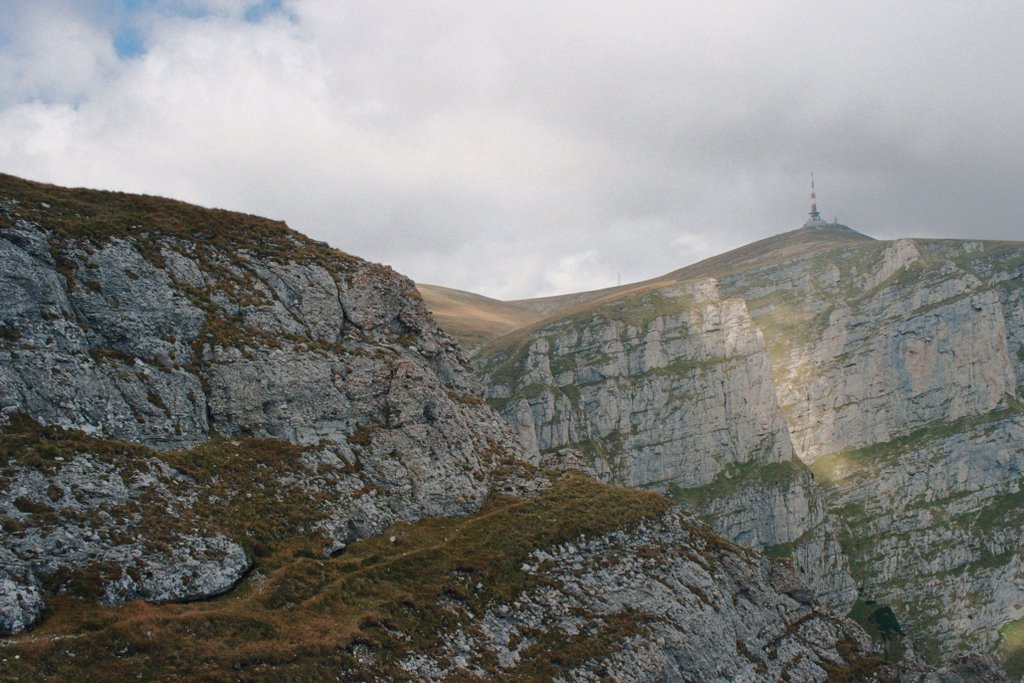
815	215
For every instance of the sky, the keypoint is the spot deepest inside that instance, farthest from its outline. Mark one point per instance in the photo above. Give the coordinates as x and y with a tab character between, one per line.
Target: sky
526	148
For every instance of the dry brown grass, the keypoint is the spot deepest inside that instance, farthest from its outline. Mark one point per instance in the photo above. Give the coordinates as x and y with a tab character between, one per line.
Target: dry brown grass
473	319
301	616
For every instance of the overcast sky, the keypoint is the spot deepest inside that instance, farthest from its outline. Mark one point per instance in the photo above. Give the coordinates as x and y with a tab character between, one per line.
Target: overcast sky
526	148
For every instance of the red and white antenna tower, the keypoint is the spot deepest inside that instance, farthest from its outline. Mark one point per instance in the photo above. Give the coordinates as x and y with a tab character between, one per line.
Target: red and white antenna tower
815	214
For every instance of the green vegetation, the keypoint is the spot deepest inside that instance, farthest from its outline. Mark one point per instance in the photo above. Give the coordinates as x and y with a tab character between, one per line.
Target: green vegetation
506	368
570	391
778	249
302	616
608	449
786	550
687	366
1011	648
881	624
999	512
634	306
736	478
635	311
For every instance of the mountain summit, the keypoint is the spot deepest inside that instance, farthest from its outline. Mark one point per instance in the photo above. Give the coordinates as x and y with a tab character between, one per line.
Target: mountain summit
850	403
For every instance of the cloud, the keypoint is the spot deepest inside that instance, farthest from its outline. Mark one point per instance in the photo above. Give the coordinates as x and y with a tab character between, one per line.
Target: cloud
521	148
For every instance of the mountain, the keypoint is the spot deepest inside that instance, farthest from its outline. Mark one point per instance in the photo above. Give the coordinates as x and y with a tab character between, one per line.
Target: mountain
228	452
854	404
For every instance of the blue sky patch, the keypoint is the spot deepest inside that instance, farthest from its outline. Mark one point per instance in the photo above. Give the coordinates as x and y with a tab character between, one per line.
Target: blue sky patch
256	13
128	43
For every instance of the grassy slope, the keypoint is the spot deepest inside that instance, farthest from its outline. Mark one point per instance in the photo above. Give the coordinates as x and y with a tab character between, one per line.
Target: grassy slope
302	616
96	216
470	318
481	320
775	249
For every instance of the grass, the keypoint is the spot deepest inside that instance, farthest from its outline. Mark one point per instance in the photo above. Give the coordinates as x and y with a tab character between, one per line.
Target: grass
1011	648
472	319
738	477
633	306
95	217
881	624
307	618
999	512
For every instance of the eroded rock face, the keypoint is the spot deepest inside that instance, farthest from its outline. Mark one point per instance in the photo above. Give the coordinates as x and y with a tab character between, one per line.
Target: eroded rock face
670	387
665	601
893	368
21	603
898	368
114	533
673	389
169	326
669	600
933	526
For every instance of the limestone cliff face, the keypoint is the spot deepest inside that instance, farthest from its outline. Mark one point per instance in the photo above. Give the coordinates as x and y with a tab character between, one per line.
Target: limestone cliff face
145	320
932	524
669	387
841	354
898	367
903	342
672	388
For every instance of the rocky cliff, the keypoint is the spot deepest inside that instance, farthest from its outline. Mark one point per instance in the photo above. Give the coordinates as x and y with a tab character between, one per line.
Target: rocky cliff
892	368
898	366
672	388
232	352
229	452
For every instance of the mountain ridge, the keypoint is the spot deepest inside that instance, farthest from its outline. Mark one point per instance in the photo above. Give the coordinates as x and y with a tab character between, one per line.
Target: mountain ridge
229	452
470	332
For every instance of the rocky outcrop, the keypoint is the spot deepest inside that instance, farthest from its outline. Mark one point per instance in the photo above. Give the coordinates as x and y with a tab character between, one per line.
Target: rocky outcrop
668	600
170	326
82	526
672	388
572	580
21	602
779	509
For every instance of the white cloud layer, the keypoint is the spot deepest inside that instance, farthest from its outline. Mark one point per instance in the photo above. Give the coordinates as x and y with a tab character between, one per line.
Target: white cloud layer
527	148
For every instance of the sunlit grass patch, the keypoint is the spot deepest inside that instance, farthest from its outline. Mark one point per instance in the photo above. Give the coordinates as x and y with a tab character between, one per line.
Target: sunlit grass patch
1011	648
